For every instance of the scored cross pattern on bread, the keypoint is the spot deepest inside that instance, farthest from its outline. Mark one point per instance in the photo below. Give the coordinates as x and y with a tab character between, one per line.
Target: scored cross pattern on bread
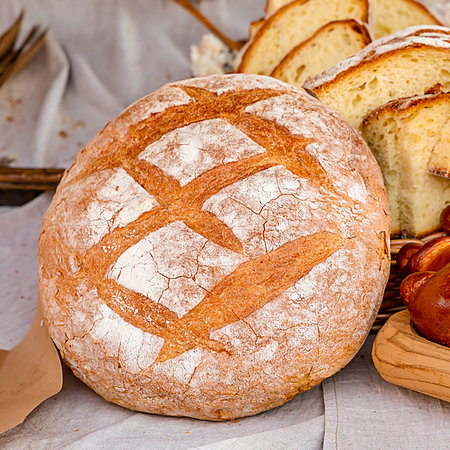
276	271
216	249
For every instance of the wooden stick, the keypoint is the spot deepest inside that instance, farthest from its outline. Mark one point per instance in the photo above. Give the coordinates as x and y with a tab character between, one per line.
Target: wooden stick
234	45
27	187
30	178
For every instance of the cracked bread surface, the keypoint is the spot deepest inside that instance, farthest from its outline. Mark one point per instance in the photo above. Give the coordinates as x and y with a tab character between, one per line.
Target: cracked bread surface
219	247
389	68
403	134
330	44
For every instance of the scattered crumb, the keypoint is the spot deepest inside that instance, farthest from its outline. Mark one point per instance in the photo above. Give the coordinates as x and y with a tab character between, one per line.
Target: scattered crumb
187	432
78	124
10	119
63	134
14	101
77	429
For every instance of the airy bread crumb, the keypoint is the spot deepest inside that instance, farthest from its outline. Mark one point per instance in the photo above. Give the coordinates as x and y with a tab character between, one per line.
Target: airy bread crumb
402	134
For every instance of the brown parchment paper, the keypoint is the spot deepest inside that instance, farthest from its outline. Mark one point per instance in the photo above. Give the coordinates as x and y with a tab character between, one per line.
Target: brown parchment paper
29	374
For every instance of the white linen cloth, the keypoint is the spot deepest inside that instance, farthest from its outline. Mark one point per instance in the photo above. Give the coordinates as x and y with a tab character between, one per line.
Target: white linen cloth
99	57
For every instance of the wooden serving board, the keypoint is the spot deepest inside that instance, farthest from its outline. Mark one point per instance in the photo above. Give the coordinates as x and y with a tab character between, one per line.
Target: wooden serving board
405	358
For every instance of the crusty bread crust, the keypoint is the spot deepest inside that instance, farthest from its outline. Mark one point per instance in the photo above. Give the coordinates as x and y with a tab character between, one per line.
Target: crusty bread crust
408	104
254	27
216	249
438	171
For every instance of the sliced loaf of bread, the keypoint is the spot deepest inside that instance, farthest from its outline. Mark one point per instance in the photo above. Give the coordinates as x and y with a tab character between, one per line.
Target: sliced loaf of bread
292	24
330	44
254	27
402	135
390	16
404	64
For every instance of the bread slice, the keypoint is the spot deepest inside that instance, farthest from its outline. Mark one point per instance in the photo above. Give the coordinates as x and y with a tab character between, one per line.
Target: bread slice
402	134
390	15
274	5
254	27
439	163
330	44
394	15
292	24
404	64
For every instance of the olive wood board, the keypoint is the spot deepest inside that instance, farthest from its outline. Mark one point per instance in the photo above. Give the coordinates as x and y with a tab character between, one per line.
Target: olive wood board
406	359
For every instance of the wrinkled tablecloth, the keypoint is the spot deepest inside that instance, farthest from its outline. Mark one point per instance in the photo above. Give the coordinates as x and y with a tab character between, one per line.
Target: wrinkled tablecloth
100	56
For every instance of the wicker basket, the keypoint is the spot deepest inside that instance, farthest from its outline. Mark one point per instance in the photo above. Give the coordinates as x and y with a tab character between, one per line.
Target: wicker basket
392	301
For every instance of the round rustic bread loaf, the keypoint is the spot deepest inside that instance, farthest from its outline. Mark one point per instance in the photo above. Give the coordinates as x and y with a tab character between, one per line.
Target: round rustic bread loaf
216	249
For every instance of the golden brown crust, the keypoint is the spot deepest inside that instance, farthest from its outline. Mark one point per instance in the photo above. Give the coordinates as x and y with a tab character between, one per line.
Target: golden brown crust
212	289
438	171
406	105
254	27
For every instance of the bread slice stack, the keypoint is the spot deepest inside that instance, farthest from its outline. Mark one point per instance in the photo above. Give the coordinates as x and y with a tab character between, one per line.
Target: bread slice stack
390	16
301	38
329	44
403	134
406	63
291	25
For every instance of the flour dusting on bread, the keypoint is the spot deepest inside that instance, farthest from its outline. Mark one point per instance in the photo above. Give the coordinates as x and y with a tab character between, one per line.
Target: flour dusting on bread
233	252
